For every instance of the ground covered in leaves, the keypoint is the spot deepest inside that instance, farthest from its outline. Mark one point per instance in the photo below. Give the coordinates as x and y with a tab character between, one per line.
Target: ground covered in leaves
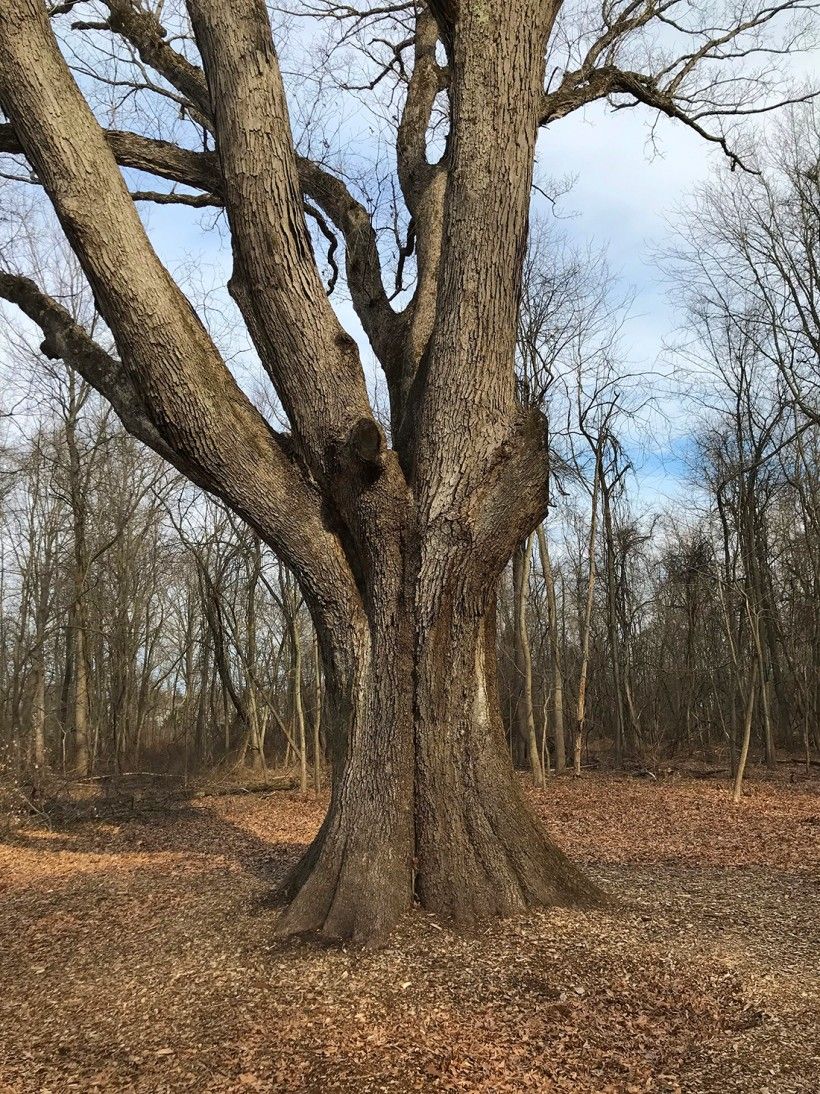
137	954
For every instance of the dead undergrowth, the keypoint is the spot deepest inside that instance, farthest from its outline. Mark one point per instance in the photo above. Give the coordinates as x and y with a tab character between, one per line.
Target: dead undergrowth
137	953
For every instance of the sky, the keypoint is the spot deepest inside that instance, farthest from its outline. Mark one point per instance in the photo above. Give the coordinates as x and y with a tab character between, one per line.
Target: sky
624	196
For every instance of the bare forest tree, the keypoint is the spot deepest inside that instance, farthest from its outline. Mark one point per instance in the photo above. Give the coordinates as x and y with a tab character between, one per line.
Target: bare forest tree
397	537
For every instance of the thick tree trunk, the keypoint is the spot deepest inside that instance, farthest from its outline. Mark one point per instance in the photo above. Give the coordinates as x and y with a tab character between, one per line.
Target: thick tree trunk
398	553
480	849
425	801
356	877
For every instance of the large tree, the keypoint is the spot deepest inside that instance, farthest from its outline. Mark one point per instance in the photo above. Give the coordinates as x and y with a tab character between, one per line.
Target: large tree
398	537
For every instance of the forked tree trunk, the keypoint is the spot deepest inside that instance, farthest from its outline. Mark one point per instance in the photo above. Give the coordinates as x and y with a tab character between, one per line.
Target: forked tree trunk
398	551
425	802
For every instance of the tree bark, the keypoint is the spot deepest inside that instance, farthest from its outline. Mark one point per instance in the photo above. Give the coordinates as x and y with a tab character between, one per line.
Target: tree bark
480	850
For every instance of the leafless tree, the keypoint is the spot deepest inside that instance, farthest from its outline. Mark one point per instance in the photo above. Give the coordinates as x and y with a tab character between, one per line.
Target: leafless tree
398	549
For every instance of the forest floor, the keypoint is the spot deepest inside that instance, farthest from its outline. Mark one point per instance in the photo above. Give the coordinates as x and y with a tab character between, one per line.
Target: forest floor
137	953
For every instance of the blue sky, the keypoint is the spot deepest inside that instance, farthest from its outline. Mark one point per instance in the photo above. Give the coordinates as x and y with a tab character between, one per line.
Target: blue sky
625	196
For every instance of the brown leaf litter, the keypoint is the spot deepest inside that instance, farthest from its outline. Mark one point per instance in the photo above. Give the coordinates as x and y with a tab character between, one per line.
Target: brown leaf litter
139	955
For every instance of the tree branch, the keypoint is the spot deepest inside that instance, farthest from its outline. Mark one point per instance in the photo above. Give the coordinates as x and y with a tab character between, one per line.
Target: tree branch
65	339
384	328
313	363
174	197
144	31
147	35
423	186
187	392
199	170
663	86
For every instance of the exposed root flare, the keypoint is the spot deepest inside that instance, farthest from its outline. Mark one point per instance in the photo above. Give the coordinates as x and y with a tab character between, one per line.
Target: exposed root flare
515	872
494	860
346	888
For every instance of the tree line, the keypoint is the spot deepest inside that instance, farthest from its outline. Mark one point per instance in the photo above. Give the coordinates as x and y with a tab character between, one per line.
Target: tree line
143	625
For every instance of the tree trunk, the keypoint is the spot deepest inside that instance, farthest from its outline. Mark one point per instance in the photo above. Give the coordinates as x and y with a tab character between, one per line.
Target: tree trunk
317	715
356	877
523	658
555	653
460	836
77	393
737	789
586	625
80	705
480	850
612	618
38	712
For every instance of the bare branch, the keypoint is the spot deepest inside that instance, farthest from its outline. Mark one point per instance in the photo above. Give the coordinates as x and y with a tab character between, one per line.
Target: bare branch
332	243
195	404
692	85
145	32
199	170
65	339
314	365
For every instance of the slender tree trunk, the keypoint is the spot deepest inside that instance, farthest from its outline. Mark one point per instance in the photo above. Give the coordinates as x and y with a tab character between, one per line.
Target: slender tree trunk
555	653
317	716
80	698
523	658
298	706
38	712
77	493
737	790
586	629
612	620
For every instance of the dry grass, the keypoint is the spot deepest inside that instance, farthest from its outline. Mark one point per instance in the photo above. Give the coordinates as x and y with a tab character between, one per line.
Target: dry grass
139	955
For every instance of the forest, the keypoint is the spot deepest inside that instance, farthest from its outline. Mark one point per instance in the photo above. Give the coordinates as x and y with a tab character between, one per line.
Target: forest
145	627
409	631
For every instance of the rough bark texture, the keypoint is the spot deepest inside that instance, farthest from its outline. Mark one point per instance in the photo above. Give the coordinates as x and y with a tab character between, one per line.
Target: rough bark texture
398	551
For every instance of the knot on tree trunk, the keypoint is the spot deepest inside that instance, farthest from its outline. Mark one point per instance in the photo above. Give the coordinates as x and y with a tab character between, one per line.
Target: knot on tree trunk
366	445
